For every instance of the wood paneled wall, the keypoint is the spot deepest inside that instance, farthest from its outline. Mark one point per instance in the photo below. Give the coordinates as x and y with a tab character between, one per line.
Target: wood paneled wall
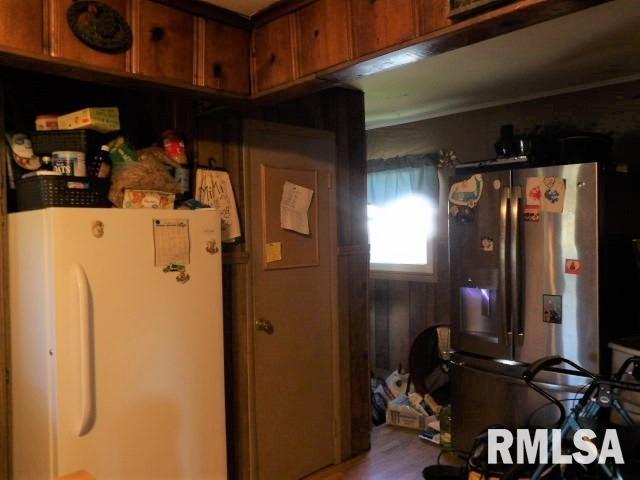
400	310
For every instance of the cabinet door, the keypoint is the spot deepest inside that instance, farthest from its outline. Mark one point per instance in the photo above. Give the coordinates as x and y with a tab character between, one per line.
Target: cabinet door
226	58
322	34
378	24
65	44
166	42
272	54
21	24
432	15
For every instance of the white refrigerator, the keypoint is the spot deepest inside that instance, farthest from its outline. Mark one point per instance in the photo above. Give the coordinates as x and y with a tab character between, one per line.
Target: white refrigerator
117	363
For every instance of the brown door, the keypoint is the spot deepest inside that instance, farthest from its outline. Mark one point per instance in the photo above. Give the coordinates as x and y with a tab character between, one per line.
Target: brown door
293	301
226	58
21	23
166	42
65	44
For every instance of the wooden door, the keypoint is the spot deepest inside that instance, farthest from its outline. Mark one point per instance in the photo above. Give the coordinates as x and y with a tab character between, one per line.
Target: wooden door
166	43
378	24
294	363
322	33
226	58
21	24
65	44
272	54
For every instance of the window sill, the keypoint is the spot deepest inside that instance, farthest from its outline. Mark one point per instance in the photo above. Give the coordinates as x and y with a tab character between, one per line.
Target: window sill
403	276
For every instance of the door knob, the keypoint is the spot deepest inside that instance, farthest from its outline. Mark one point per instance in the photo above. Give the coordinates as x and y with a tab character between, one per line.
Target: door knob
264	326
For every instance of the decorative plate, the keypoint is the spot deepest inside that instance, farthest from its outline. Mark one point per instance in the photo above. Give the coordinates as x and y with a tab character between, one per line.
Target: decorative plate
99	26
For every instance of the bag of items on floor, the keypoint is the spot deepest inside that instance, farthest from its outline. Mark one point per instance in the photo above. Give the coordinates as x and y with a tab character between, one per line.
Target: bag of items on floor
413	399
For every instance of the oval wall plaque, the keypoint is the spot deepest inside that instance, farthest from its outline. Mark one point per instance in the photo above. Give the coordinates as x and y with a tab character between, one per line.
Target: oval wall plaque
99	26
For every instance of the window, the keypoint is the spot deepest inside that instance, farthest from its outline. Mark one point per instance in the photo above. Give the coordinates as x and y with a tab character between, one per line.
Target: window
402	209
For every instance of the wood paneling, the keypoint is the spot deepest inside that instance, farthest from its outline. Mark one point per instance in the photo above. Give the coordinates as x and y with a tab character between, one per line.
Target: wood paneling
21	24
226	58
322	35
432	15
273	54
220	141
5	405
401	310
65	44
377	24
166	46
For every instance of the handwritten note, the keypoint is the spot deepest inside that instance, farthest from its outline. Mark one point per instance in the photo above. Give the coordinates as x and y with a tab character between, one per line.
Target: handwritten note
294	208
213	188
171	241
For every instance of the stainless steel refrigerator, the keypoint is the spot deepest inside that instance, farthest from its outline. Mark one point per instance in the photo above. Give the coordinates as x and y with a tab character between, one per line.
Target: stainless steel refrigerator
529	281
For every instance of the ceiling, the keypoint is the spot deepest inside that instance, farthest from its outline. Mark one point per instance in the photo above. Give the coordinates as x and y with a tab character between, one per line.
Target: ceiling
243	7
595	46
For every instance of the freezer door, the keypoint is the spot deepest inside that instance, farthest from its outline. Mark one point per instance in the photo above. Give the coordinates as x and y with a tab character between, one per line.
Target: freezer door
478	244
559	296
139	354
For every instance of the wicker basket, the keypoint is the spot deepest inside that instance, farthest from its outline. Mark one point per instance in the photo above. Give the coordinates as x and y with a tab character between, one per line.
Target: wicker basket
48	141
61	191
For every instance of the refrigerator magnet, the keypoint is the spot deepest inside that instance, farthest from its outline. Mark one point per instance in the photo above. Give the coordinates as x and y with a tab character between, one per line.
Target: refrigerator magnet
183	277
486	244
573	266
466	193
553	189
534	191
212	247
552	308
531	213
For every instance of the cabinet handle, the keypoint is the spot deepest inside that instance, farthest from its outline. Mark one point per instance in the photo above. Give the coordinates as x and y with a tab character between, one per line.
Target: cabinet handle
217	70
157	34
272	59
264	326
316	33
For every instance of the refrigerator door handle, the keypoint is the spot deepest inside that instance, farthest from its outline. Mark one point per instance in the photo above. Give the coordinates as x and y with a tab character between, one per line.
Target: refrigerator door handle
87	400
514	254
504	218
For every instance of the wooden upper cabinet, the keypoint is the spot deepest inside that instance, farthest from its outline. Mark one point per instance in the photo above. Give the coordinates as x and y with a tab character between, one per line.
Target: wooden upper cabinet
377	24
65	44
322	35
226	58
272	54
432	15
21	25
166	46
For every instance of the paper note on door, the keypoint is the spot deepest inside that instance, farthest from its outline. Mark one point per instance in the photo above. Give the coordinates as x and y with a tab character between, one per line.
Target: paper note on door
273	252
294	208
171	241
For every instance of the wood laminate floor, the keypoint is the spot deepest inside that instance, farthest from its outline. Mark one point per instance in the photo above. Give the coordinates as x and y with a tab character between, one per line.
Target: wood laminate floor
396	454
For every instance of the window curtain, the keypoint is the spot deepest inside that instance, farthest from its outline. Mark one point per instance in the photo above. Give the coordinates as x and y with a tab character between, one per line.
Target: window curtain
390	179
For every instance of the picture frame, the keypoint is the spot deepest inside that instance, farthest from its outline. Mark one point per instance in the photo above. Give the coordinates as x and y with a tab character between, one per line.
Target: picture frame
458	8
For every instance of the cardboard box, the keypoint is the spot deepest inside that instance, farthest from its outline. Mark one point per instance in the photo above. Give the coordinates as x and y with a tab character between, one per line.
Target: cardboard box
103	120
148	199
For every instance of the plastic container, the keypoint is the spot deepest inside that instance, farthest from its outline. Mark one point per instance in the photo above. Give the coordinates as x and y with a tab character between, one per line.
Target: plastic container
69	162
445	427
47	142
621	350
61	191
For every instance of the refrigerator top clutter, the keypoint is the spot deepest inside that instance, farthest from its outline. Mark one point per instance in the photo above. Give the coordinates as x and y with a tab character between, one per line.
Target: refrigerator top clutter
117	344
